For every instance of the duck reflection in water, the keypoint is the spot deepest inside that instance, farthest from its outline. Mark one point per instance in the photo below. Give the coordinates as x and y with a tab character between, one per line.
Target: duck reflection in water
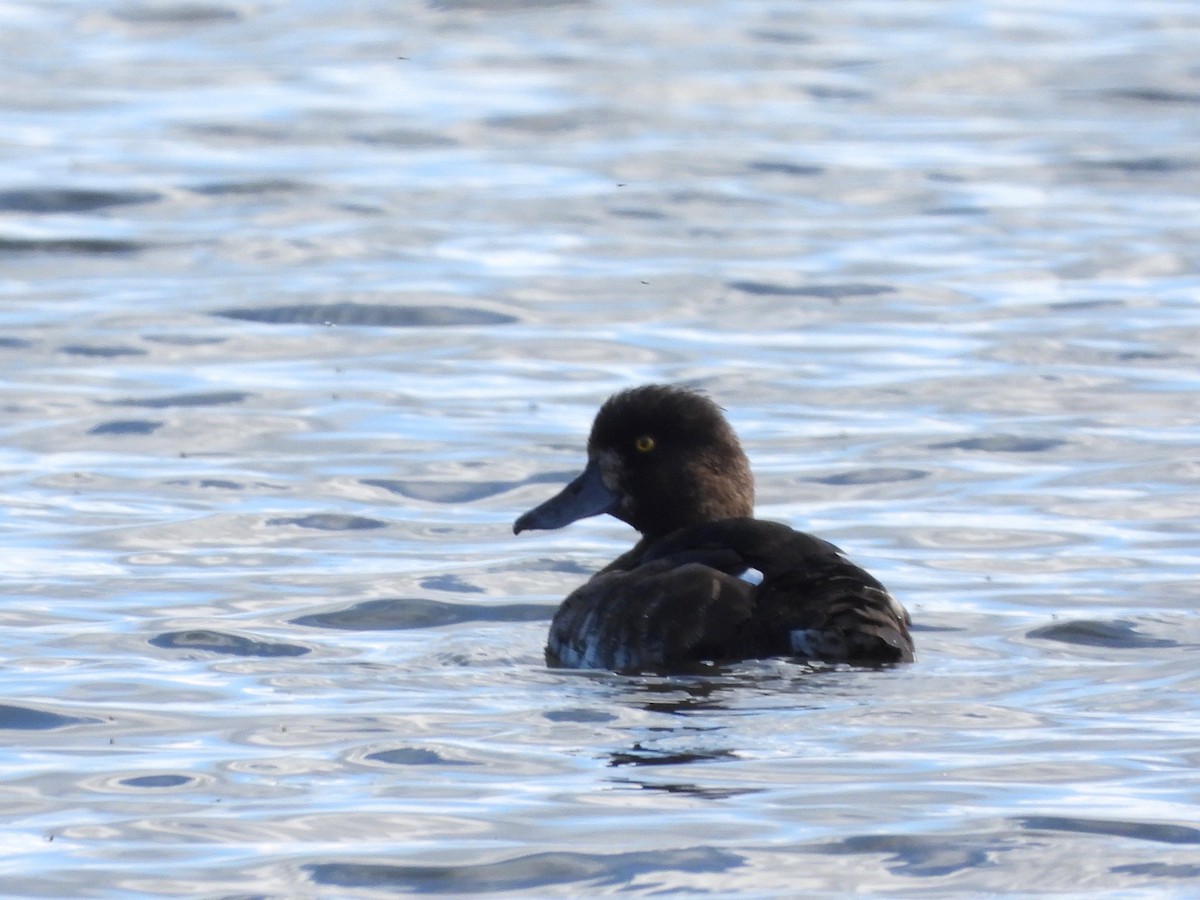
665	460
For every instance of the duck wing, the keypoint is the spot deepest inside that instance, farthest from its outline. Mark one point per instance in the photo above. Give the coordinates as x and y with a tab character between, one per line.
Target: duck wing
812	602
666	614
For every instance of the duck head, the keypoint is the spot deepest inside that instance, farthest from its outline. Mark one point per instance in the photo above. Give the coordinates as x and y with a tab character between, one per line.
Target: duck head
660	458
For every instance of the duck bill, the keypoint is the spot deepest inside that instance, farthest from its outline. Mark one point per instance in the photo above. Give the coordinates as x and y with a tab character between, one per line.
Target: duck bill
586	496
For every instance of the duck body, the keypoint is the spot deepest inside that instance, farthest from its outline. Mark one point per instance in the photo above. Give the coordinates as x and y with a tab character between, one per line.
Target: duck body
665	460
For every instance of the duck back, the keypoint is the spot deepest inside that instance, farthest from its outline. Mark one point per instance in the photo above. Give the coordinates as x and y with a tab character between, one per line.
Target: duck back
681	600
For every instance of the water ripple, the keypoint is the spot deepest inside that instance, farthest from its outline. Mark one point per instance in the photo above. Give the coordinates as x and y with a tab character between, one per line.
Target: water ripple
222	642
30	719
417	612
369	314
525	873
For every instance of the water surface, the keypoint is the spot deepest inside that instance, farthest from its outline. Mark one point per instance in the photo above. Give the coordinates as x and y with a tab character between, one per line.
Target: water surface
300	306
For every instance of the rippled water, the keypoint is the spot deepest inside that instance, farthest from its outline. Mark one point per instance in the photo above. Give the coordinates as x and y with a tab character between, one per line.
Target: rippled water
301	304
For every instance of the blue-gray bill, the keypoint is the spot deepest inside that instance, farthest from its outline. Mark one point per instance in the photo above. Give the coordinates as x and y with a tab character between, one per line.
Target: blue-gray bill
586	496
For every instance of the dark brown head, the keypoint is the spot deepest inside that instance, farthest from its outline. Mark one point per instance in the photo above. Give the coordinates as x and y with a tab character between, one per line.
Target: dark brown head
660	458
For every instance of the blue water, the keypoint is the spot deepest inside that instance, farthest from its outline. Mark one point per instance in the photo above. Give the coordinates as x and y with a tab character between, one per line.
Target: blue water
301	304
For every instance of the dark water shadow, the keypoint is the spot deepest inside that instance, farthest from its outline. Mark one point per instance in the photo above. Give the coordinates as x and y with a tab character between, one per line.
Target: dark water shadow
69	200
1002	443
1087	304
1142	165
126	426
872	476
415	756
24	718
1156	95
1147	356
225	643
182	14
403	613
407	138
1159	832
378	315
582	715
250	188
685	789
158	782
207	398
331	522
773	167
452	584
961	210
223	484
833	292
526	873
637	755
100	352
918	856
641	214
1120	634
81	246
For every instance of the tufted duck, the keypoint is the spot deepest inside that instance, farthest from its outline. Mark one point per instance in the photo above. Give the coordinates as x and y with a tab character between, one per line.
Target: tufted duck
665	460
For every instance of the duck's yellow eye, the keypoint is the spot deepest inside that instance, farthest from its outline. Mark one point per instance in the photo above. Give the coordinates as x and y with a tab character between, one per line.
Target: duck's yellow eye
644	444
